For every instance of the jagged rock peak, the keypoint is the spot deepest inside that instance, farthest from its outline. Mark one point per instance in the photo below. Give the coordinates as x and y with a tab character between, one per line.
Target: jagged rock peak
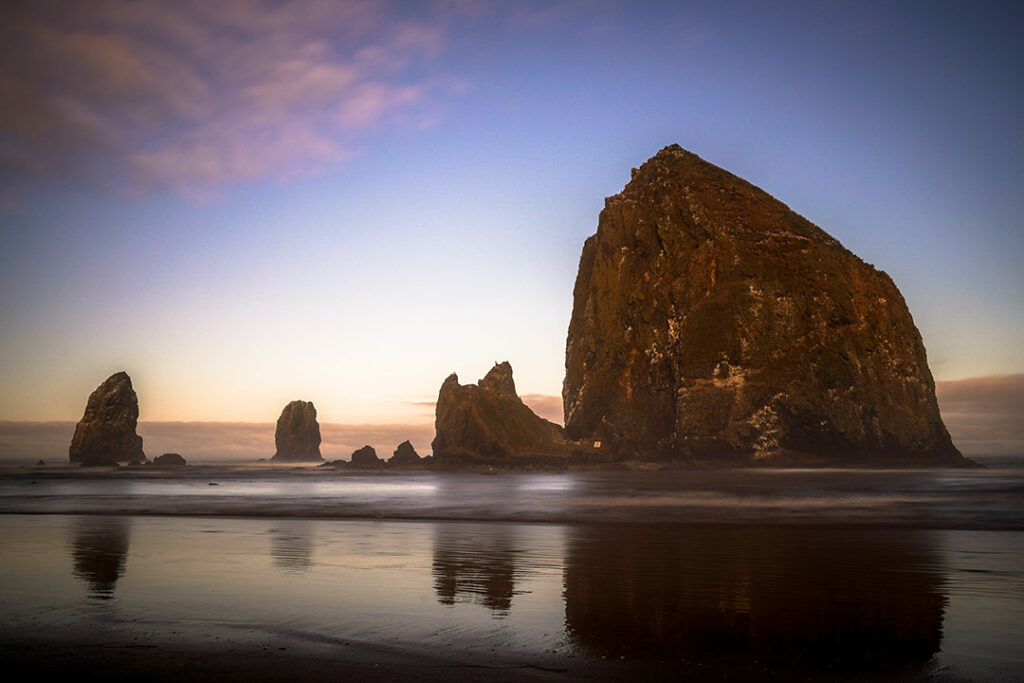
711	322
107	429
488	422
499	381
297	436
405	455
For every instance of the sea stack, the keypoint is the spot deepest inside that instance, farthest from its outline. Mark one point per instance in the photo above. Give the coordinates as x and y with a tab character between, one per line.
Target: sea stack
713	324
488	423
366	459
405	456
107	430
298	434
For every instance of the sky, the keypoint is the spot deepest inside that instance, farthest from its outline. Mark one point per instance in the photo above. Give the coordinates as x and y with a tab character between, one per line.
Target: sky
243	203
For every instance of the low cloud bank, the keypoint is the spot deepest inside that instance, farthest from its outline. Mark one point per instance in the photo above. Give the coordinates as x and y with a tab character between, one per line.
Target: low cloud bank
210	441
984	415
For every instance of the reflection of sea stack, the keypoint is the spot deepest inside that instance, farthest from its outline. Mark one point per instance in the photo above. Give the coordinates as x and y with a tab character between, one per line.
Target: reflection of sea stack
99	546
107	430
710	321
291	546
489	423
298	434
475	567
850	599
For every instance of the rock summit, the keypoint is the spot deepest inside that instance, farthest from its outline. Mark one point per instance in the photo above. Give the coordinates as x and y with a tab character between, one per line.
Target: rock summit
107	429
297	437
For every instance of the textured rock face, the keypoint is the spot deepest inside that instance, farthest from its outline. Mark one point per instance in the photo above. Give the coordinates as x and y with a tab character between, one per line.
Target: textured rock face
107	430
404	456
366	459
710	322
169	460
488	422
298	434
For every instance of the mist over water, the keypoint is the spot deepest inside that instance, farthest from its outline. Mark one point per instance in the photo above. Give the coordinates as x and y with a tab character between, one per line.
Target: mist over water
991	498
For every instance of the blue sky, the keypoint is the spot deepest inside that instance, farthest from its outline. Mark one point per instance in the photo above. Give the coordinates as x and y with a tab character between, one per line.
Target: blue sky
244	203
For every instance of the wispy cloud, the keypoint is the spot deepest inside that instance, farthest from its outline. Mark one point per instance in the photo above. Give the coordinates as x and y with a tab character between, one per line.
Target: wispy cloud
196	94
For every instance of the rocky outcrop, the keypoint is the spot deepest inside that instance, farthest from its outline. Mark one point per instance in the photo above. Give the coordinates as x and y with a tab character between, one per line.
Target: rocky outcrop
298	434
489	423
366	459
107	430
169	460
405	456
712	323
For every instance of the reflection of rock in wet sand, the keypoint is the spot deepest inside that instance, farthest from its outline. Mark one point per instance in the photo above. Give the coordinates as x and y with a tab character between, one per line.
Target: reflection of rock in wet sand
99	546
291	546
784	596
475	566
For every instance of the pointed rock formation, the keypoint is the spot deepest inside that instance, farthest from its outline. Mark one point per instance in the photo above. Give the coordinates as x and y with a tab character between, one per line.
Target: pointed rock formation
405	456
107	430
712	323
298	434
489	423
366	459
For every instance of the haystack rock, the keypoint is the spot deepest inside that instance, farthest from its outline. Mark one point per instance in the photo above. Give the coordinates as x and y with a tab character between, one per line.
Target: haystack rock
107	430
298	434
405	456
489	423
366	459
711	323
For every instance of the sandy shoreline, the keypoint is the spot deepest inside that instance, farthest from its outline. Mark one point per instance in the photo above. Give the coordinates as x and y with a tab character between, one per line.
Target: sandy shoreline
257	656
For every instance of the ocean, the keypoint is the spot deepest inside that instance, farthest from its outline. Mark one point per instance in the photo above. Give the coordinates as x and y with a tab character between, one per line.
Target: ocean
748	574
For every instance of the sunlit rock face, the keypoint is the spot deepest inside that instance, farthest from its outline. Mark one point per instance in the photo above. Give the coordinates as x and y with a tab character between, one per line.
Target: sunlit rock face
712	323
298	434
107	430
488	423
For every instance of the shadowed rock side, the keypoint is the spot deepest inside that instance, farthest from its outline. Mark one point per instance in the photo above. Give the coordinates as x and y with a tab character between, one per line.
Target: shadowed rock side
107	430
405	456
711	323
366	459
488	423
169	460
297	437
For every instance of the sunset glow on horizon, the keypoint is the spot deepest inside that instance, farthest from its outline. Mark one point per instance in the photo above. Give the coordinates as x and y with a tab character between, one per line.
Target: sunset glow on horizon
242	204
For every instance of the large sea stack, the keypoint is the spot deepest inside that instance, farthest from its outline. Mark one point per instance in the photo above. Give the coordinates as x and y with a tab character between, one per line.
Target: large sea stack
487	423
107	430
298	434
713	324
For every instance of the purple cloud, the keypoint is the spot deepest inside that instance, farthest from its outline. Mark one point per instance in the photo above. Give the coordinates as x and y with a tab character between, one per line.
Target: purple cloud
197	94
